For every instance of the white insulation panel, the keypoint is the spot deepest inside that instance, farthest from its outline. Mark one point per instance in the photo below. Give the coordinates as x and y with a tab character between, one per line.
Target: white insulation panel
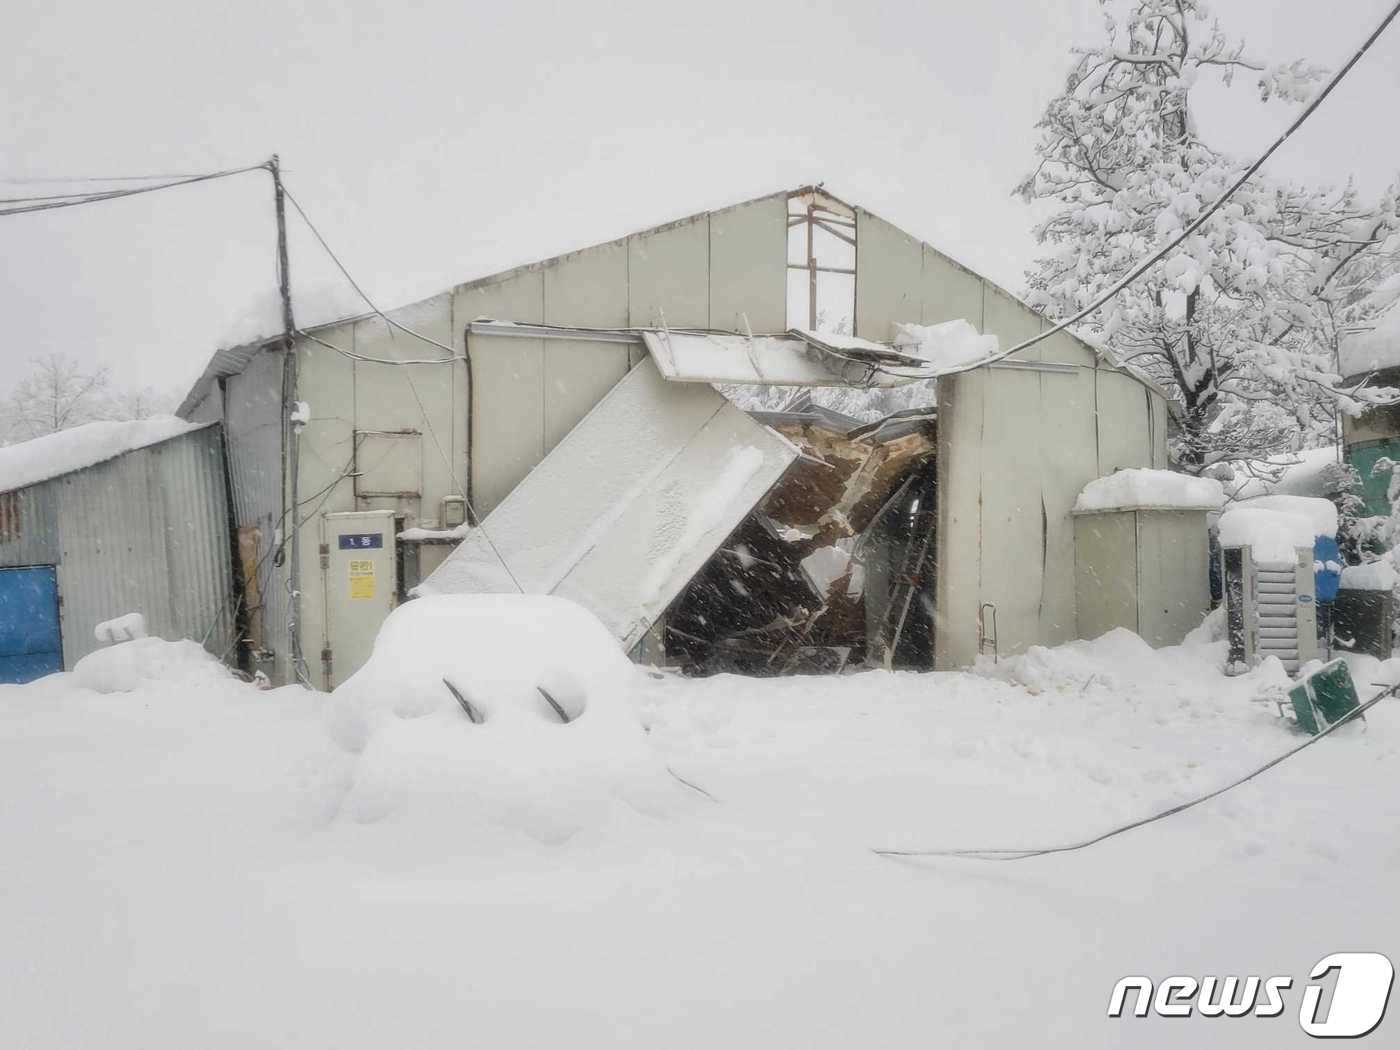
625	510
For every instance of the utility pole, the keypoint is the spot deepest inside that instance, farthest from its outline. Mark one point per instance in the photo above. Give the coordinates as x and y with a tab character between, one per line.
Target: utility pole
291	432
284	277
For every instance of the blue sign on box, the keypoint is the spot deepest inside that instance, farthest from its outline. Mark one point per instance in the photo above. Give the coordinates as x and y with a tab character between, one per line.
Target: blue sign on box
362	541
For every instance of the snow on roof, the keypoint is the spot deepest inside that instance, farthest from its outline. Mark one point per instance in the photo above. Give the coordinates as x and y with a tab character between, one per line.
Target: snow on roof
1372	576
1273	536
1321	514
1142	488
1373	349
952	344
52	455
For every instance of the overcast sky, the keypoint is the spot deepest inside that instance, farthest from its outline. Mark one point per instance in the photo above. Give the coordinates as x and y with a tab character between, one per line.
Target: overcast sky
437	142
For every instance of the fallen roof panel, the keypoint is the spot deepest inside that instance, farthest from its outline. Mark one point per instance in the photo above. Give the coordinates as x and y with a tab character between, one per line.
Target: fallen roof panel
628	507
714	357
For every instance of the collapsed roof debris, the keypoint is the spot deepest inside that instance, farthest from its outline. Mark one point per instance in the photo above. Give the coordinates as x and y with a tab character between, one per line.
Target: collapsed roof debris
650	477
832	567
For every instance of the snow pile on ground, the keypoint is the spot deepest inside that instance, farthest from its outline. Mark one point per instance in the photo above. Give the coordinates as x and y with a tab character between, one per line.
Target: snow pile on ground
422	762
49	456
128	666
947	346
1140	487
186	864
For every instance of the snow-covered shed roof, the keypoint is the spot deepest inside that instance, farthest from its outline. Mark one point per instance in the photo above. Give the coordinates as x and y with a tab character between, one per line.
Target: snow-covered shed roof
77	448
1372	349
1140	488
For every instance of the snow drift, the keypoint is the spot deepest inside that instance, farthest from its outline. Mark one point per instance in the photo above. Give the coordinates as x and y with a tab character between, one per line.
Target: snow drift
131	665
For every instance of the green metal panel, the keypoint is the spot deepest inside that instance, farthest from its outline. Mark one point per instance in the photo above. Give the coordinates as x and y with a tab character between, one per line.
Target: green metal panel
1363	457
1324	698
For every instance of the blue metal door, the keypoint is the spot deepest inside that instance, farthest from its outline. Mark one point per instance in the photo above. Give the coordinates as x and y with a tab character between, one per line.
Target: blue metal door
31	645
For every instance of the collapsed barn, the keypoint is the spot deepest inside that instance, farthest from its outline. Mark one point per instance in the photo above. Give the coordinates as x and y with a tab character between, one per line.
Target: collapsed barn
572	441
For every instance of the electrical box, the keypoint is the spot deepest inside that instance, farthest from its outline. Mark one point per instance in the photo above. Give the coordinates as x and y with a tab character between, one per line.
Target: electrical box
360	581
1270	609
454	511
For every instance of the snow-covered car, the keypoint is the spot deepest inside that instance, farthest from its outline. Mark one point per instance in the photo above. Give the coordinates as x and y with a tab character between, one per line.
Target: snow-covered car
516	709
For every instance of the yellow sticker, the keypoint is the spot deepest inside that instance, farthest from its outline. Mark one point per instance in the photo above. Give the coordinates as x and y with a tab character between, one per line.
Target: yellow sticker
361	579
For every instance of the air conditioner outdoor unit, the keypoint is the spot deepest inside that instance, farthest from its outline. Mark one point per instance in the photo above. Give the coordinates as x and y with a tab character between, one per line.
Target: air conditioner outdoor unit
1270	609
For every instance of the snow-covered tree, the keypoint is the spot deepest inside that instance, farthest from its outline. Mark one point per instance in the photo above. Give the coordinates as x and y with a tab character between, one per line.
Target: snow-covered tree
140	403
56	394
1241	321
59	393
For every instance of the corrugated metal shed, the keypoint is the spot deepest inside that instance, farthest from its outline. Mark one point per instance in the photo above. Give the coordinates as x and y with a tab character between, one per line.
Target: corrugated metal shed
145	531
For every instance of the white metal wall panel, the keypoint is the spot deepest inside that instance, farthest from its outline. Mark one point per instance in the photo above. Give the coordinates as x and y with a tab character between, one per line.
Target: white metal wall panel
1012	530
1068	462
889	277
504	418
949	291
1160	416
1125	438
326	382
748	267
587	289
669	276
1063	348
959	539
1010	321
653	478
519	297
507	415
650	551
416	397
1173	574
577	374
1106	583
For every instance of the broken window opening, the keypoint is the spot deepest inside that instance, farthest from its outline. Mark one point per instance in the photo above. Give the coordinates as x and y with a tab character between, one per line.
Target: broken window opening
821	263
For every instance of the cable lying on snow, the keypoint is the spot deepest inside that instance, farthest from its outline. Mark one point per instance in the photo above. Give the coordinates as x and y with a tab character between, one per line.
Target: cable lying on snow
1022	854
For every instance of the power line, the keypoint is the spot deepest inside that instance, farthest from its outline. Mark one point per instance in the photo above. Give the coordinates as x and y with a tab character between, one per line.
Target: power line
393	324
356	285
1022	854
1200	220
49	202
39	179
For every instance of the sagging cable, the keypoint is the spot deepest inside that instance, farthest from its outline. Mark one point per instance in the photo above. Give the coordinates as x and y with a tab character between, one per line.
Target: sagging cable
1022	854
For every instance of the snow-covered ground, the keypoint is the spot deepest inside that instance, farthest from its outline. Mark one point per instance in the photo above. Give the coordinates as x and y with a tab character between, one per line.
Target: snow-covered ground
183	869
